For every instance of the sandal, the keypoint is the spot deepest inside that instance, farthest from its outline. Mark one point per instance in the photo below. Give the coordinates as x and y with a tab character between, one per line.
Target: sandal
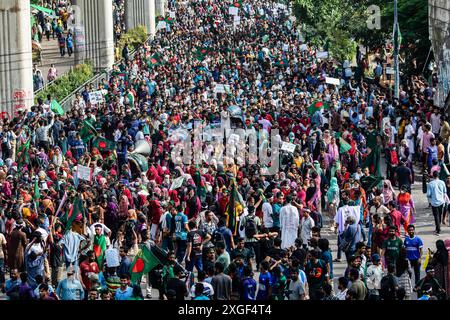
337	260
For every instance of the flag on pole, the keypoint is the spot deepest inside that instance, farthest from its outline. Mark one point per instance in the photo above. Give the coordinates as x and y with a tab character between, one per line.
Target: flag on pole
75	209
144	262
87	131
238	3
234	207
36	192
104	144
56	108
63	200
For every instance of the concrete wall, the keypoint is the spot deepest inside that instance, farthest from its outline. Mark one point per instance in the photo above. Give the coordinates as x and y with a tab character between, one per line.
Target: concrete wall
140	12
439	27
16	64
94	35
160	7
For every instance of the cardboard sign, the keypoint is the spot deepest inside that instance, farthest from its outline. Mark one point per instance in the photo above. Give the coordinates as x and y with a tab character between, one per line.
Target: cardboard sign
288	147
334	81
178	182
96	97
84	173
322	55
222	88
172	14
233	11
237	20
390	70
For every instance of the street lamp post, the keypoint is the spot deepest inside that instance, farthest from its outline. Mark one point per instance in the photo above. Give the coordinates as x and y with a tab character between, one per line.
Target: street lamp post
396	50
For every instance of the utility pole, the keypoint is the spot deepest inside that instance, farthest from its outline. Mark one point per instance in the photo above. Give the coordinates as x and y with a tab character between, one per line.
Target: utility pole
396	50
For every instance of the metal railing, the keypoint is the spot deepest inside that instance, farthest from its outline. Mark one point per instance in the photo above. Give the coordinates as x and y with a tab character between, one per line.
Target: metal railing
97	79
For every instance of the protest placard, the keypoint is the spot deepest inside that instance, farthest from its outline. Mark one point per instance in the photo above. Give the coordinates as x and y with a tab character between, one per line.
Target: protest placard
84	173
233	11
161	25
322	55
96	97
288	147
334	81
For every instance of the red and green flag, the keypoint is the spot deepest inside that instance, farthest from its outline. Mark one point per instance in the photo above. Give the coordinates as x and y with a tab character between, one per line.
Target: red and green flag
144	262
201	53
99	249
155	60
317	106
238	3
76	209
103	144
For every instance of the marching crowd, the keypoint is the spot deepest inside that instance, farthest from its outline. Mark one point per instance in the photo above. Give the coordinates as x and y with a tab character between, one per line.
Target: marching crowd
213	225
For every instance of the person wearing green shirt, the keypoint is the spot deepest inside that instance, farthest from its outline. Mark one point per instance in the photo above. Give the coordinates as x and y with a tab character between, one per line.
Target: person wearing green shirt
391	247
279	284
222	256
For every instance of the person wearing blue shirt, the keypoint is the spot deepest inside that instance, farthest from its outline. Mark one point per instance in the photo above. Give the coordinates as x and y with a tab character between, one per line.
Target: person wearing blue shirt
125	292
199	295
436	192
248	285
414	245
181	231
12	285
70	288
265	282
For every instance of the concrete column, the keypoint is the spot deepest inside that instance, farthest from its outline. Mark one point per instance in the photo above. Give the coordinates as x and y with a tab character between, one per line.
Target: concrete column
140	12
16	61
161	8
94	32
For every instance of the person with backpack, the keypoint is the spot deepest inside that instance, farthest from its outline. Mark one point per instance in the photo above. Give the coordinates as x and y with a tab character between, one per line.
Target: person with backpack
389	284
251	225
223	235
195	241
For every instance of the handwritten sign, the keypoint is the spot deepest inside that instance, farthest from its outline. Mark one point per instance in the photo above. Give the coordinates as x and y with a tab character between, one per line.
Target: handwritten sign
288	147
20	97
222	88
96	97
161	25
84	173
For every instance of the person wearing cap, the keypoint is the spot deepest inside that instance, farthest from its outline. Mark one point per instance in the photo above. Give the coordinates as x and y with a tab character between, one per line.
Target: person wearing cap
373	277
70	288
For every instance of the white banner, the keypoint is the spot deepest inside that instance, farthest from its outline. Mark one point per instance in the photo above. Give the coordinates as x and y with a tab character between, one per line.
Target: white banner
161	25
322	55
222	88
334	81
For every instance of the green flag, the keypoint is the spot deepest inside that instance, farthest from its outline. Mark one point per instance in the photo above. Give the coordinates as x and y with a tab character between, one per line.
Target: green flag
22	155
87	131
144	262
76	209
36	192
56	108
265	38
235	205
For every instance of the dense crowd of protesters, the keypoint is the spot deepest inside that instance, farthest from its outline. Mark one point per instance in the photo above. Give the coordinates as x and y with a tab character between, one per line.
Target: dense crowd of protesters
63	237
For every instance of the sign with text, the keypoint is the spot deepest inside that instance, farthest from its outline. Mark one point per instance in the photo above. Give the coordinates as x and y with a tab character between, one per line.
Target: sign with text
334	81
96	97
84	173
288	147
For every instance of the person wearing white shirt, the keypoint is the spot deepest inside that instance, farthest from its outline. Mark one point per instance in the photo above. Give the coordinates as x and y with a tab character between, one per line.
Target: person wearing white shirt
289	224
374	275
267	214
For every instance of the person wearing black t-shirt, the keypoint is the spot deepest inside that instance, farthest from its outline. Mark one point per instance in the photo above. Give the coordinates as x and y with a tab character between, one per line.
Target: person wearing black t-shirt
177	284
195	241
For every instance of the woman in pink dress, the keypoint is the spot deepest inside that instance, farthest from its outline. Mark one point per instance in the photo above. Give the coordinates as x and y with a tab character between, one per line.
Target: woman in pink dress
406	207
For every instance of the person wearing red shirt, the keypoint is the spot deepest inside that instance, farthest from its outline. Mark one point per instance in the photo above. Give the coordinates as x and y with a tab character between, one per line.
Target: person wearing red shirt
396	217
88	268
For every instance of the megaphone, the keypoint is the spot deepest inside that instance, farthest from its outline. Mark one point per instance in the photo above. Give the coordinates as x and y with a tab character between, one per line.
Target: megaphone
142	147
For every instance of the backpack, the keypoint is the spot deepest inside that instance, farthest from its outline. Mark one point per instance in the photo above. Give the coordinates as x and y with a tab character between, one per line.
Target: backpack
250	227
387	290
217	237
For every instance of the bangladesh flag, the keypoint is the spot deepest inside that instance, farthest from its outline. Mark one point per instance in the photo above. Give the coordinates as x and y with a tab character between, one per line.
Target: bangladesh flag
201	53
317	106
144	262
282	62
99	249
75	209
56	108
87	131
155	60
234	207
238	3
23	155
103	144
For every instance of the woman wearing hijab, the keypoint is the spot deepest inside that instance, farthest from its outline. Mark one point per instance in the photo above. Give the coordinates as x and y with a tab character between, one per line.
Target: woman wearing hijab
440	262
388	192
406	207
333	199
